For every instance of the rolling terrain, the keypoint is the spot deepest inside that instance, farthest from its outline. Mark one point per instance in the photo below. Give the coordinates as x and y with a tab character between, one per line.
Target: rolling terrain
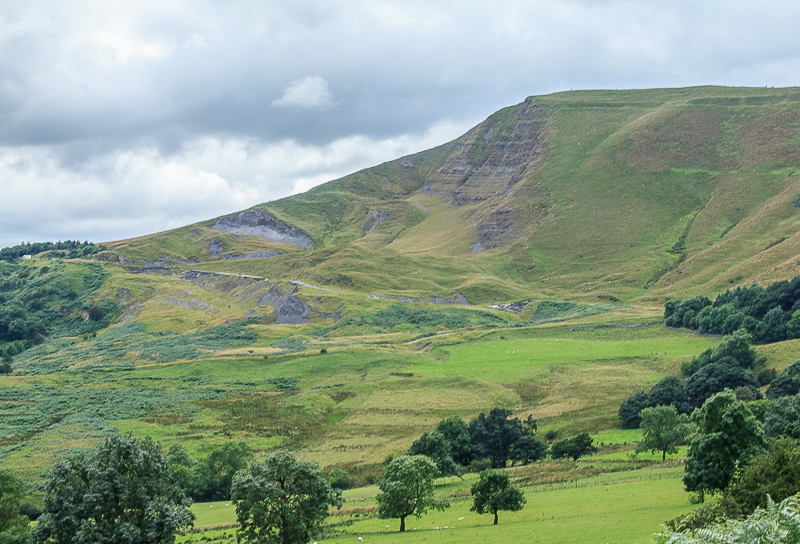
523	265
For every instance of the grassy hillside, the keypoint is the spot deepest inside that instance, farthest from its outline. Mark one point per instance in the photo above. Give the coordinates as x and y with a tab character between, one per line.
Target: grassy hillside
588	195
495	270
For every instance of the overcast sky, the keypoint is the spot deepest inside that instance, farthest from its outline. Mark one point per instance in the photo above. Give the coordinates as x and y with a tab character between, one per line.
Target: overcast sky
119	119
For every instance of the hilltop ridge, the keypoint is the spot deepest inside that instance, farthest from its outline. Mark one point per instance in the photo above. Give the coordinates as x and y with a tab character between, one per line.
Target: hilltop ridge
589	195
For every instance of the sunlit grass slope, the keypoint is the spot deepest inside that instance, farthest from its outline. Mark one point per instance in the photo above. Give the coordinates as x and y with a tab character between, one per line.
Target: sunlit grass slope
610	195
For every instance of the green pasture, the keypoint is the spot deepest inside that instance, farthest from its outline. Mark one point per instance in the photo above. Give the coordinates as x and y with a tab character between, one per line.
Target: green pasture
350	407
618	507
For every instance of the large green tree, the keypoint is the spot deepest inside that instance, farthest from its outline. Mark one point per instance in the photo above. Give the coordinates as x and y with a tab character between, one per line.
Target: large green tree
120	492
282	500
776	475
435	447
574	447
663	430
13	526
456	435
407	489
728	434
493	436
494	492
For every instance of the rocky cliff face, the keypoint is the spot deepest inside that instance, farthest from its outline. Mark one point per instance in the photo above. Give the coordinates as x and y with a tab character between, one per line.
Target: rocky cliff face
260	223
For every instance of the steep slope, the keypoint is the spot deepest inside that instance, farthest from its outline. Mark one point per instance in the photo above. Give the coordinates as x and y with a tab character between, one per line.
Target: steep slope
593	195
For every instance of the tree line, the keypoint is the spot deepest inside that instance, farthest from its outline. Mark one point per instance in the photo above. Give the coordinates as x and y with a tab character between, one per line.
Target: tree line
732	364
491	441
69	249
127	490
770	314
742	445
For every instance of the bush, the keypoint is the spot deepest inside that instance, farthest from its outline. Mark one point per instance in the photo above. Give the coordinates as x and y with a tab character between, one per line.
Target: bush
574	447
339	479
629	411
32	511
479	465
787	383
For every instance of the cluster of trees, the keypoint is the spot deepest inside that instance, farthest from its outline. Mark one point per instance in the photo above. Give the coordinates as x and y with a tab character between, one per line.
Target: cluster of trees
208	479
492	440
729	455
769	314
36	302
729	365
126	490
67	249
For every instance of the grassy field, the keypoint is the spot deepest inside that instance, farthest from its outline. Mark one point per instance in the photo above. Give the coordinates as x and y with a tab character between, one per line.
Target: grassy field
619	507
350	407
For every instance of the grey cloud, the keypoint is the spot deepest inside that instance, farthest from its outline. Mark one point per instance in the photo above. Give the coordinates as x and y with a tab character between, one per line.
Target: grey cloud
87	83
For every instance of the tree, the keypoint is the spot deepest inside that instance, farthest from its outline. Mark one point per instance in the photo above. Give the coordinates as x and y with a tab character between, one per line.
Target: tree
13	526
630	409
782	418
456	435
338	478
663	430
772	327
728	434
281	500
493	492
528	449
119	492
717	377
492	436
407	489
435	447
787	383
669	391
793	326
574	447
213	476
776	475
736	346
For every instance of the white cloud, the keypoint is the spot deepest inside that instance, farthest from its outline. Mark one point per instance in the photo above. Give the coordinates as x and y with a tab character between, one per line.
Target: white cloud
139	191
120	119
308	92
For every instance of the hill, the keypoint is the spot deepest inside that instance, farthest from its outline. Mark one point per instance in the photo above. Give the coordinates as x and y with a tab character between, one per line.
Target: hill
591	196
523	265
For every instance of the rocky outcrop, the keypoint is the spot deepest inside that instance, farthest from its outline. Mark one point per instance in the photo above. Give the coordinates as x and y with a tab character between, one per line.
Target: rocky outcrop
260	223
495	156
253	255
292	311
373	220
216	247
457	298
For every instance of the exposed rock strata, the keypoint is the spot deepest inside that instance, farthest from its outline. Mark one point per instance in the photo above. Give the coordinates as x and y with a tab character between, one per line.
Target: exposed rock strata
260	223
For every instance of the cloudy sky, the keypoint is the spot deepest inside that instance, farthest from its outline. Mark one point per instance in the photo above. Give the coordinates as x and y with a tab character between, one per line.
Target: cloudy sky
119	119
